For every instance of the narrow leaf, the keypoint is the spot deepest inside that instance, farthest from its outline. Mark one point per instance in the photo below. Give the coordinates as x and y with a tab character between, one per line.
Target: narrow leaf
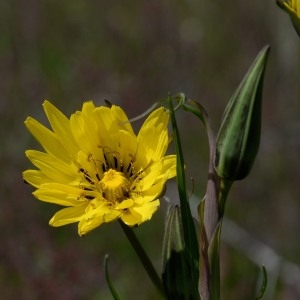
176	266
264	284
189	231
111	288
214	261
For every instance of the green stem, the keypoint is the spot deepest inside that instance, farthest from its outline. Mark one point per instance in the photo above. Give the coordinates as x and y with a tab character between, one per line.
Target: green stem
214	247
224	189
143	257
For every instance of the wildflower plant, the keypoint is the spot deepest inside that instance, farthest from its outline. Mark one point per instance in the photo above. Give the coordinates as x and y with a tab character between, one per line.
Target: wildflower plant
96	167
99	170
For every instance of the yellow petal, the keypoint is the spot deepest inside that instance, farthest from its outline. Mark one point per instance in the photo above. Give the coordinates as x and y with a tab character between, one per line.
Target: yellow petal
155	140
113	119
169	166
124	204
53	167
85	132
129	219
128	148
61	126
149	177
145	212
95	217
35	177
67	215
47	139
122	120
158	116
153	136
85	226
111	216
61	194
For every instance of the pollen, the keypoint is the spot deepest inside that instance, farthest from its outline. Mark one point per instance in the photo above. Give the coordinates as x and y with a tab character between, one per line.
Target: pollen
115	186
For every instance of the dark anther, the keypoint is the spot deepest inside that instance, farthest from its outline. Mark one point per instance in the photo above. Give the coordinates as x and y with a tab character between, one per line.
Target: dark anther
116	162
129	167
106	161
86	176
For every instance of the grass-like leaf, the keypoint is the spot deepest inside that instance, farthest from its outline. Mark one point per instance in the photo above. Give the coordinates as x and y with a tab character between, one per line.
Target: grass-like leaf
189	231
111	287
264	284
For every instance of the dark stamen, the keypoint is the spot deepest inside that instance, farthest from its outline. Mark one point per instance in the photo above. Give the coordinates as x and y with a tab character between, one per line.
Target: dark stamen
129	166
116	162
86	176
106	161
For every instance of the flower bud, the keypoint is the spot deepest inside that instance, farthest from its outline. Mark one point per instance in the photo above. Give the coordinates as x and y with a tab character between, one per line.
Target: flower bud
239	135
176	265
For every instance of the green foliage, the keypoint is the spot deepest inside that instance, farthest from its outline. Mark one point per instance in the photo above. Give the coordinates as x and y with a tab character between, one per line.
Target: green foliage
176	266
110	285
264	284
191	250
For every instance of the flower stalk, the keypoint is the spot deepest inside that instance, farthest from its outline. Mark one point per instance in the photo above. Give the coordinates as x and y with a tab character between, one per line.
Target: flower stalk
144	258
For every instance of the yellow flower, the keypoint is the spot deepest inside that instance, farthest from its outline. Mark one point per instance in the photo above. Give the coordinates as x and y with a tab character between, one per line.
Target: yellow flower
292	7
97	167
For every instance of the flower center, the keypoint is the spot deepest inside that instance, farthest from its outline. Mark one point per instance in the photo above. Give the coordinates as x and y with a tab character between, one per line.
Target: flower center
115	186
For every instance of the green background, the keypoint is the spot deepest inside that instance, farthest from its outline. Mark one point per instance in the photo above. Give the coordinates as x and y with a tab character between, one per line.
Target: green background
134	53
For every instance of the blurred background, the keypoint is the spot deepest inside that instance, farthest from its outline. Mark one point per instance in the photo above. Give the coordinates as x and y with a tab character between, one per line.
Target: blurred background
134	53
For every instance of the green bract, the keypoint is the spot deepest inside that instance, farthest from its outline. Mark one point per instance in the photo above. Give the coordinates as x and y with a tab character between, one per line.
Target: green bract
176	269
239	135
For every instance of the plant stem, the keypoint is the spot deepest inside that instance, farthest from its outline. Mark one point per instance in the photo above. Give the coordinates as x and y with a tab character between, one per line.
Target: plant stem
135	243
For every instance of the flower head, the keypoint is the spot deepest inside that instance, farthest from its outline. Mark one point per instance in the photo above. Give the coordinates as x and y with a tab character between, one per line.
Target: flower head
96	166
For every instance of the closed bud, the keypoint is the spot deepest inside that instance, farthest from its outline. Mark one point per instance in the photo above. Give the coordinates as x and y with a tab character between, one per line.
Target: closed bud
239	135
176	265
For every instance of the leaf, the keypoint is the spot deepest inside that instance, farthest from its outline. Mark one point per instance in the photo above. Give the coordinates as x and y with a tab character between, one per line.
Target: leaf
214	261
198	110
189	231
111	288
175	263
264	284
